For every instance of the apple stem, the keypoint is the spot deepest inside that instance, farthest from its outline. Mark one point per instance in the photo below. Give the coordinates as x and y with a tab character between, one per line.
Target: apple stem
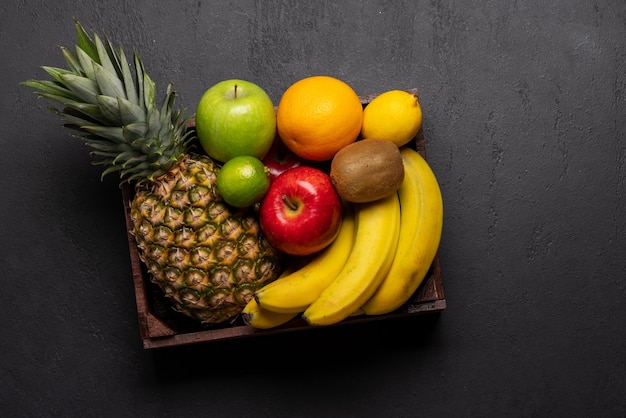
290	203
235	91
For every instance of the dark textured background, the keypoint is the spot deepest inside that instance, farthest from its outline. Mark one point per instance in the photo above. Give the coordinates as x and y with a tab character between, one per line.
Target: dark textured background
524	118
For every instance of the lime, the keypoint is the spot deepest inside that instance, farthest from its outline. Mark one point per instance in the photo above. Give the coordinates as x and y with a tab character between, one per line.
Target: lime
395	115
242	181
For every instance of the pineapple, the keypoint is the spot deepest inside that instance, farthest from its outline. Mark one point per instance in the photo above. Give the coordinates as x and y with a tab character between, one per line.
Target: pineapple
206	256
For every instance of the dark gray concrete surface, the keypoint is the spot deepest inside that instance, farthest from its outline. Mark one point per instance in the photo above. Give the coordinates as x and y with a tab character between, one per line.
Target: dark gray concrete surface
524	118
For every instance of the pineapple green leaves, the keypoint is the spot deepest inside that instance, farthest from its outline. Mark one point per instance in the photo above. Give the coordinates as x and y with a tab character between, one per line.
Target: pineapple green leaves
206	258
111	107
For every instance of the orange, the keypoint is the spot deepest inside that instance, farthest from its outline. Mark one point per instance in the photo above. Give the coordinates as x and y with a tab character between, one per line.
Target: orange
317	116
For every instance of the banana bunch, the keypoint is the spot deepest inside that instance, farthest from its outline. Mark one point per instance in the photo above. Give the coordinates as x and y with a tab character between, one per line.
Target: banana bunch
380	257
422	222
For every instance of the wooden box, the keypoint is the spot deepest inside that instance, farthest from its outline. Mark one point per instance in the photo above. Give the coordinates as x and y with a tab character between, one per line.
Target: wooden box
161	326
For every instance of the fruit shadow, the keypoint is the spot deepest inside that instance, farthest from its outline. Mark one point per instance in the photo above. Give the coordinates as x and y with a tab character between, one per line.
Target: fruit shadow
315	350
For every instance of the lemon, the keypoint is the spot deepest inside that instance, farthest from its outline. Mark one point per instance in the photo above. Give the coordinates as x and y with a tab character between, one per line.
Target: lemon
243	181
395	115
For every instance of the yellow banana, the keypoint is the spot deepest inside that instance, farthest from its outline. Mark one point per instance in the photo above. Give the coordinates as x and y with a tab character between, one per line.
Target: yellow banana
257	317
294	292
422	220
377	230
260	318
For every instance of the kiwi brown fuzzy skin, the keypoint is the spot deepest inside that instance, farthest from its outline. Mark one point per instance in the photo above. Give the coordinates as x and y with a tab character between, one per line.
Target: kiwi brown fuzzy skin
367	170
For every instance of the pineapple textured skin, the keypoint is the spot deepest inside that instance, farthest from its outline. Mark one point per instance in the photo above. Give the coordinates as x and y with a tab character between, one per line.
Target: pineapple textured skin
206	256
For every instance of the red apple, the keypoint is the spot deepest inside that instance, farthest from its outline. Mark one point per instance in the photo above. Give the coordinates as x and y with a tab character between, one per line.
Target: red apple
301	212
280	159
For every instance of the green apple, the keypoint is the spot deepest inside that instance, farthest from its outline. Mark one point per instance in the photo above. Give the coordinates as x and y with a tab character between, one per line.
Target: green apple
233	118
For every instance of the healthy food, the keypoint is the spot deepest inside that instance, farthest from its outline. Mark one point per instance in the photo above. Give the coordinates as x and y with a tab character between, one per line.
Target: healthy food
422	221
395	115
366	266
320	210
317	116
367	170
384	266
207	257
280	159
294	292
301	212
260	318
243	181
233	118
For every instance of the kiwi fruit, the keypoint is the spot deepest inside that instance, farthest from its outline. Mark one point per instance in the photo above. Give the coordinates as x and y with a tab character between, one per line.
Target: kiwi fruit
367	170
